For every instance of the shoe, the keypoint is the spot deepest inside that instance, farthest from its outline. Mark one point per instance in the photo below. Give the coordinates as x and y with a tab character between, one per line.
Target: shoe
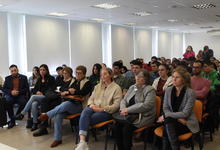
11	124
29	123
55	143
43	117
82	146
19	117
40	132
34	127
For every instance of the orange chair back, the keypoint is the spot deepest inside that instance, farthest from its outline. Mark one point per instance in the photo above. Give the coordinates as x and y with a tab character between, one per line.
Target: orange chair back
198	110
158	106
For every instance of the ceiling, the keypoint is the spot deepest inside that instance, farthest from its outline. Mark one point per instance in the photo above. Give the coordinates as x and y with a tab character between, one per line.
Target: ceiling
188	18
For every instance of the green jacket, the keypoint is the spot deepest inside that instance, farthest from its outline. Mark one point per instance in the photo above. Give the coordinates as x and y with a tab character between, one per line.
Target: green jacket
213	77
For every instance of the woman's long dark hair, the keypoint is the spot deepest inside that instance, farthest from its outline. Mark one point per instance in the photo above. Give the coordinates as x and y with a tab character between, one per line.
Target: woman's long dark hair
46	68
38	72
98	67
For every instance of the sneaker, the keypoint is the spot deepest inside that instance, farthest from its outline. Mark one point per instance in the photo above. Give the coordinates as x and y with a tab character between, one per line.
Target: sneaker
82	146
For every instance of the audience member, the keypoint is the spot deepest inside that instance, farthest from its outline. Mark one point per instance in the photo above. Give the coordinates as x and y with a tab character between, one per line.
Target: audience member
178	117
35	75
210	74
16	91
161	83
104	101
199	84
1	82
189	52
59	77
44	84
154	67
207	53
95	77
139	102
124	69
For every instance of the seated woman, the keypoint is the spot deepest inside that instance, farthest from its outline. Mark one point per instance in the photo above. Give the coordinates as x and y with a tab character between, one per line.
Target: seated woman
178	106
139	101
104	101
95	77
161	83
32	80
45	83
80	87
54	98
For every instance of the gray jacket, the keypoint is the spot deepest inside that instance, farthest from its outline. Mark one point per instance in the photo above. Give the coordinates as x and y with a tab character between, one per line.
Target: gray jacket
185	109
145	104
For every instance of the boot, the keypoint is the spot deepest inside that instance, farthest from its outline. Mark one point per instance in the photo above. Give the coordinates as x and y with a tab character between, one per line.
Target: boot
171	134
29	123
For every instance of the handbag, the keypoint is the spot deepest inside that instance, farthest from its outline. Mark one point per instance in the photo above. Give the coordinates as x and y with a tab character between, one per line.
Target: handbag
130	118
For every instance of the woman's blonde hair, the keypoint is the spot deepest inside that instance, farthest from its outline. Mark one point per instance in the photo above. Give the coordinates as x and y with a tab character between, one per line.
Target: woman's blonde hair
185	76
110	72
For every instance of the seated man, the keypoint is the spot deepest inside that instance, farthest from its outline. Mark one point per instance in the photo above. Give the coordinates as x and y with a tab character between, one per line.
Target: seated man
210	74
199	84
154	68
117	76
80	87
1	82
15	91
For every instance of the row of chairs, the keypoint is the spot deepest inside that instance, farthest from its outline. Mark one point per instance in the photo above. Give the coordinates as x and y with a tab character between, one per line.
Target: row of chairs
158	131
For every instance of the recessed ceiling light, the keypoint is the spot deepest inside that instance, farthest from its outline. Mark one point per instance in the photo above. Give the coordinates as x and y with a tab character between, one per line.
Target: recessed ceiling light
142	13
57	14
204	6
156	6
106	6
97	19
153	27
1	5
172	20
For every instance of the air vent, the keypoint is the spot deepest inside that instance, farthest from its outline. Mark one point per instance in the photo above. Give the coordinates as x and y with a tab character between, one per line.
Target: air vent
204	6
207	27
217	15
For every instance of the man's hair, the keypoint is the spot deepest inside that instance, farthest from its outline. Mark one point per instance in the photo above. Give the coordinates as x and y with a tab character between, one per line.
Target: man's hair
117	64
154	57
59	68
209	63
13	66
156	63
198	61
136	62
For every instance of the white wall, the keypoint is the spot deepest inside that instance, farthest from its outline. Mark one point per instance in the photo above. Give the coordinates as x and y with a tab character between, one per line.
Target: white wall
122	44
4	63
177	45
86	44
164	44
47	42
143	44
199	40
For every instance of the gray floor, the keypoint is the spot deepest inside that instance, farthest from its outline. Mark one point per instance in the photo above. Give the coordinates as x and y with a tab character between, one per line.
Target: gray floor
21	138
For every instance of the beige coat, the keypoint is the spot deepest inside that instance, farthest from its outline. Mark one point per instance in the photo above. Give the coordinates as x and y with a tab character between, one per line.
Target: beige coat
108	98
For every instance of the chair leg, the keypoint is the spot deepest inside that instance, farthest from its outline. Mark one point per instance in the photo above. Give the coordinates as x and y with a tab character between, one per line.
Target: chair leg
106	138
192	143
77	134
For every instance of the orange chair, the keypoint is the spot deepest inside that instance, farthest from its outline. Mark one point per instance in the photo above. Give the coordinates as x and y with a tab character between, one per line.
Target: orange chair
187	136
107	125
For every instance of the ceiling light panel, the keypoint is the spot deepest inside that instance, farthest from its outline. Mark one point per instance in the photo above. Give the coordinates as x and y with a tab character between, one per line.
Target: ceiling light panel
57	14
204	6
142	13
97	19
106	6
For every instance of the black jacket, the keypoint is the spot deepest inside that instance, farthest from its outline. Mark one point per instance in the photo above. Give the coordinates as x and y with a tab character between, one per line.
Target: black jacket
48	85
23	85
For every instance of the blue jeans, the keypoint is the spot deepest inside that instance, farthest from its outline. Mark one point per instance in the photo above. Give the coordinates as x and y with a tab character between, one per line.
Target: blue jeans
89	117
21	100
59	112
32	105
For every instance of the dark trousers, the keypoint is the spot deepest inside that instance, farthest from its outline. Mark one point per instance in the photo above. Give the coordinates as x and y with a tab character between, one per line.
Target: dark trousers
172	130
49	102
21	100
123	135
